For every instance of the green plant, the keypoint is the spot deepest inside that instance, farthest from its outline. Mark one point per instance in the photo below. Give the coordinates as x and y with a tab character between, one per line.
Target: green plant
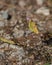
46	64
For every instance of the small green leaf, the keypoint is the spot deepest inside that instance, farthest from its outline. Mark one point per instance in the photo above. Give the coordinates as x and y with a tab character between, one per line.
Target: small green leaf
46	64
33	27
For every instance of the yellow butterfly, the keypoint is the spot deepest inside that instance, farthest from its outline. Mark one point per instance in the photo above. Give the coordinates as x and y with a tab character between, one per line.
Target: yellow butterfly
33	27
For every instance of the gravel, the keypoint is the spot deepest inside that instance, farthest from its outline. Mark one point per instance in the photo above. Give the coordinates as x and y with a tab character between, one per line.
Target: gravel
29	48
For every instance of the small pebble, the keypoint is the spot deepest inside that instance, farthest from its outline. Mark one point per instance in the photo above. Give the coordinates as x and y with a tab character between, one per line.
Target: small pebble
43	10
22	3
18	33
40	2
1	24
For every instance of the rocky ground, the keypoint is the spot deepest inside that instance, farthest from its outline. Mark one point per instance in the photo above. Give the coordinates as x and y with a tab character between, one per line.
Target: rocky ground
29	48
